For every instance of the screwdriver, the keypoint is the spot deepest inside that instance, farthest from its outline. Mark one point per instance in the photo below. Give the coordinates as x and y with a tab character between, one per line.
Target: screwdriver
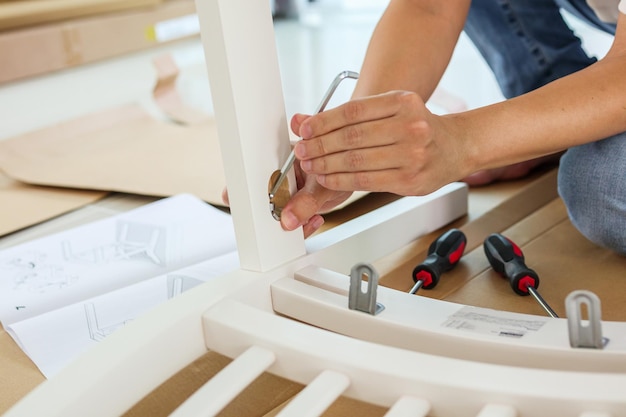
443	255
507	259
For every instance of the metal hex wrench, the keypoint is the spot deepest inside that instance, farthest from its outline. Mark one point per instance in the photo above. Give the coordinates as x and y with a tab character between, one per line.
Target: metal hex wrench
320	108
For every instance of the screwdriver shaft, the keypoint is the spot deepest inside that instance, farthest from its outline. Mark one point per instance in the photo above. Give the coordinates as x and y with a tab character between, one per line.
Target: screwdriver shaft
292	156
416	287
542	302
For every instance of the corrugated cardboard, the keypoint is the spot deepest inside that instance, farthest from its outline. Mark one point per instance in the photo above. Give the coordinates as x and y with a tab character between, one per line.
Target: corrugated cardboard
123	149
50	47
23	205
18	375
15	14
564	260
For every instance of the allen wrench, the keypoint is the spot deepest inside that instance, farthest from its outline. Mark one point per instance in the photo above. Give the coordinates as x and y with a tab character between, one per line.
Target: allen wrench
292	156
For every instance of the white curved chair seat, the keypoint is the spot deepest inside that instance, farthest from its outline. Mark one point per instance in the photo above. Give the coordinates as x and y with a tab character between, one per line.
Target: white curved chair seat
286	312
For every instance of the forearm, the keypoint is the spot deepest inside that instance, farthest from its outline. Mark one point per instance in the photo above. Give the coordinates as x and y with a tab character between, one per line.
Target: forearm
584	107
411	46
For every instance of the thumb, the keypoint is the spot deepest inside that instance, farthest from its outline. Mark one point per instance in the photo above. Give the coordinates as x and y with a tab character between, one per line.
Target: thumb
300	210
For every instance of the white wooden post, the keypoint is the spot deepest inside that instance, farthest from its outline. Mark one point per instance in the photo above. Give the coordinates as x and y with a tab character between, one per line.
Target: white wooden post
242	62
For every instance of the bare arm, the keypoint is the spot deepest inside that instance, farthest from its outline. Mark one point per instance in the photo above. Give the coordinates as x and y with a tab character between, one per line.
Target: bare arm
583	107
411	46
391	142
409	50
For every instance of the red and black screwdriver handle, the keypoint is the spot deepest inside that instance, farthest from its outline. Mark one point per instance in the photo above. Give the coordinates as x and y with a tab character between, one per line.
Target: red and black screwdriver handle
443	255
507	259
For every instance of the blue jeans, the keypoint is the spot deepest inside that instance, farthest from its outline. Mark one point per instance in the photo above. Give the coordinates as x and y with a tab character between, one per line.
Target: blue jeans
527	44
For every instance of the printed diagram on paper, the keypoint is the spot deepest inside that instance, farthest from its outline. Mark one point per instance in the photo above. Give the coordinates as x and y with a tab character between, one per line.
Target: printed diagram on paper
100	326
134	241
31	272
62	293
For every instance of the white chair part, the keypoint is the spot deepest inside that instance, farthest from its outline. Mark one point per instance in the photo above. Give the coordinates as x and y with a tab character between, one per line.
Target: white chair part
497	410
213	396
409	407
381	374
317	396
236	311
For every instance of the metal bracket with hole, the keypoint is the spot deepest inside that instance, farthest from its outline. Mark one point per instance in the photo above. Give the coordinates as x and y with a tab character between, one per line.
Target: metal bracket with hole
357	298
584	333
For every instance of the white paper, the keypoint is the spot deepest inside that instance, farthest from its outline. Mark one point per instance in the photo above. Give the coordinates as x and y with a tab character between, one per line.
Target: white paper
54	339
65	292
494	322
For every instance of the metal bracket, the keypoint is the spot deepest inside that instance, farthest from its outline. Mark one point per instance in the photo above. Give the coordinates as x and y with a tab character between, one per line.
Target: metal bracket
584	334
357	298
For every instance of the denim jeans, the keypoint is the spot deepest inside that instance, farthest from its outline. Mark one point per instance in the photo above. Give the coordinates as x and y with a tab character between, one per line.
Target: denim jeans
527	44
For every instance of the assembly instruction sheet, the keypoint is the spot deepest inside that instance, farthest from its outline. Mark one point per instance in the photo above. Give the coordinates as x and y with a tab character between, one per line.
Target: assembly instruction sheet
63	293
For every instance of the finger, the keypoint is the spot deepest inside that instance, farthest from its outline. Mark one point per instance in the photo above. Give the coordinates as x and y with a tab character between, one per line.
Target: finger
305	204
300	209
389	180
363	135
352	112
370	159
312	225
225	197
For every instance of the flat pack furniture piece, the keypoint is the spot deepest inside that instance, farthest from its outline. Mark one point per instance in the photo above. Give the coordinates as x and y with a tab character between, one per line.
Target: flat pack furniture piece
286	310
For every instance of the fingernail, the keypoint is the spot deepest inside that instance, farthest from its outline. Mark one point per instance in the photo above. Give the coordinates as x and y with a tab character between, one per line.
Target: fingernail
305	131
321	179
289	220
306	165
300	150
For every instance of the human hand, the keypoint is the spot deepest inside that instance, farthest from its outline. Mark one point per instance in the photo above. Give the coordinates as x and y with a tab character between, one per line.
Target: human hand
304	207
311	199
389	142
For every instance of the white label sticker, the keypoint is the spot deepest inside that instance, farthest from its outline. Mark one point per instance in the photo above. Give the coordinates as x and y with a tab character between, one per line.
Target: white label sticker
498	323
177	28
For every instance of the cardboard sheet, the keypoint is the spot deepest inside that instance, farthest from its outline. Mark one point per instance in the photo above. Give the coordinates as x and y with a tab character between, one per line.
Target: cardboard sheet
18	375
123	149
564	260
38	49
14	14
536	220
23	205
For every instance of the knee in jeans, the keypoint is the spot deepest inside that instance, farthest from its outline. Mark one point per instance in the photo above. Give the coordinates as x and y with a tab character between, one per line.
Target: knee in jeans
594	212
599	229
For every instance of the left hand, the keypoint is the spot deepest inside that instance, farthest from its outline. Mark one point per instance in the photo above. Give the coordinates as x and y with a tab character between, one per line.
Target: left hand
311	200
